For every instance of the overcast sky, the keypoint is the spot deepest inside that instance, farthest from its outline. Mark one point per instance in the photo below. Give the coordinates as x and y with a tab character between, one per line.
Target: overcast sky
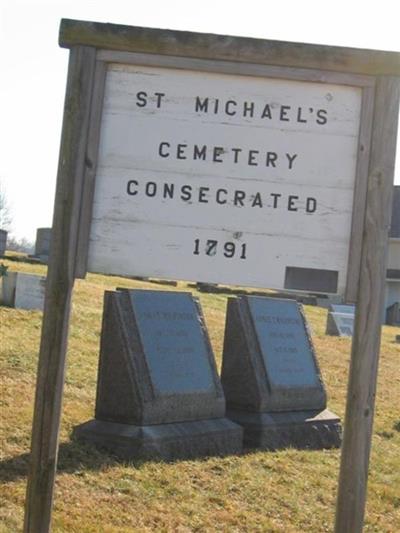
33	68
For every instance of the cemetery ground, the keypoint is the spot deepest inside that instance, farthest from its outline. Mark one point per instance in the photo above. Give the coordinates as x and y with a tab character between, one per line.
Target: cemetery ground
285	491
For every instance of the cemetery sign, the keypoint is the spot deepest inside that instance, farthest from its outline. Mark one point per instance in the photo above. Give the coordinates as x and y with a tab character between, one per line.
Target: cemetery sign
226	172
207	173
221	159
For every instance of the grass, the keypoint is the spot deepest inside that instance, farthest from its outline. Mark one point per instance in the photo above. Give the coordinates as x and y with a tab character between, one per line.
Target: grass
286	491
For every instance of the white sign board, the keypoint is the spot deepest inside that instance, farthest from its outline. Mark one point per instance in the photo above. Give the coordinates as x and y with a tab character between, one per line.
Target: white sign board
224	178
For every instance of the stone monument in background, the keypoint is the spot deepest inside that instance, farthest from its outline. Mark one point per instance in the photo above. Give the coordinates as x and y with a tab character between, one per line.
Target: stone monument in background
23	291
42	244
340	320
392	286
3	242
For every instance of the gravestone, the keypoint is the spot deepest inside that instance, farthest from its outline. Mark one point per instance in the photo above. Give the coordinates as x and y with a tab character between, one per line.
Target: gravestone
392	285
158	392
271	379
340	320
42	244
395	218
23	291
3	242
393	315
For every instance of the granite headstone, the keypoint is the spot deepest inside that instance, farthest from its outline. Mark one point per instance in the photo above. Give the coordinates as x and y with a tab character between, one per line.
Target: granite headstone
3	242
42	244
393	315
340	320
158	392
271	378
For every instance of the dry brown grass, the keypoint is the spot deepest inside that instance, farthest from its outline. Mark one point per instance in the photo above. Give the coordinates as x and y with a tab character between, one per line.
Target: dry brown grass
286	491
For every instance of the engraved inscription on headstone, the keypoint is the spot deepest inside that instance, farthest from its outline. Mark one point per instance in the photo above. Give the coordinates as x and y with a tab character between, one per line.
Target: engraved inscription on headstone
173	342
158	392
271	379
284	343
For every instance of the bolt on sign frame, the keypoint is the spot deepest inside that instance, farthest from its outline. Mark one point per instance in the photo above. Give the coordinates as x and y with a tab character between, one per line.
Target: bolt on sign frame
222	159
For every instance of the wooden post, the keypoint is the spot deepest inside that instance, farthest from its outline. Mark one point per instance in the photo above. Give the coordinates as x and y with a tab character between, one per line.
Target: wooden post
60	280
366	339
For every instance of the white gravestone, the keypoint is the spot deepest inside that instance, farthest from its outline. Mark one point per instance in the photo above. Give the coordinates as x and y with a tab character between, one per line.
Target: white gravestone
23	291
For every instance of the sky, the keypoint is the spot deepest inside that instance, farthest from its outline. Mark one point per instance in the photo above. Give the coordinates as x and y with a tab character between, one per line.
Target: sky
34	68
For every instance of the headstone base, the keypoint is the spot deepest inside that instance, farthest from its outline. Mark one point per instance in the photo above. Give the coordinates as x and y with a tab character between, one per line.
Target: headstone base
169	442
298	429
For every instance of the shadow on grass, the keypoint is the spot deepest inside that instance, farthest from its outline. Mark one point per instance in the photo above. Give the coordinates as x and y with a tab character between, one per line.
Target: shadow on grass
73	457
76	456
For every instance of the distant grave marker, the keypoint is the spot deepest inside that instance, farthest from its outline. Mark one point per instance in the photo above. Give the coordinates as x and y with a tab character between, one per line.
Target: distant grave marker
158	392
340	324
3	242
393	315
271	378
42	244
340	320
23	291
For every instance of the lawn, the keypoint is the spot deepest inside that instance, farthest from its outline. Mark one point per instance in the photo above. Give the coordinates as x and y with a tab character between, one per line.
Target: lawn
285	491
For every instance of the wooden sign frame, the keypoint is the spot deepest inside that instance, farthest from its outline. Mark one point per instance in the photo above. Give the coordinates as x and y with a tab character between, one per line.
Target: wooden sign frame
91	46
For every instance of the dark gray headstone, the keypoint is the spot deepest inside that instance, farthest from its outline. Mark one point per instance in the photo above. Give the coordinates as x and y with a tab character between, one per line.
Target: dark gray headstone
395	219
42	244
393	315
155	344
340	324
3	241
271	378
269	362
157	369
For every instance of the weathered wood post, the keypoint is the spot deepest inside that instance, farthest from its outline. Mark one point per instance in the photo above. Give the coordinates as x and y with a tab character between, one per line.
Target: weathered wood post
60	281
367	333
